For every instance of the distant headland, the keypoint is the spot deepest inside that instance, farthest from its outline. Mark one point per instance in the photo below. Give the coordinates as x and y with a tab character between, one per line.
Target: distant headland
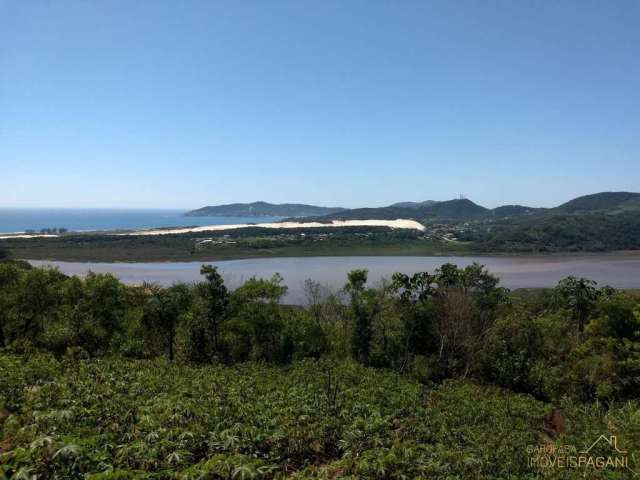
264	209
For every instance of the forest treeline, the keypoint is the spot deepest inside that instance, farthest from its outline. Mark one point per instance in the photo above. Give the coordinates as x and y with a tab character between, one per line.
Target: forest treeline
592	232
575	340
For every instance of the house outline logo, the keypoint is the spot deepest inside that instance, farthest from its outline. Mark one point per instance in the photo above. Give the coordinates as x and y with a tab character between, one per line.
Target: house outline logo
612	441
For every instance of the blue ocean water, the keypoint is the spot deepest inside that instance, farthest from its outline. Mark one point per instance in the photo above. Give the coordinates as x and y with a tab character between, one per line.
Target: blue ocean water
22	219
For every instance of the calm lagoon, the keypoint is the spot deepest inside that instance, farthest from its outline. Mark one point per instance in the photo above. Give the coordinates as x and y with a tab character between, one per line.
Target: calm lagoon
618	270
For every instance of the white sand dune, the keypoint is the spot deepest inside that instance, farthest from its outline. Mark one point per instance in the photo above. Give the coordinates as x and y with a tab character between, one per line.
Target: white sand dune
398	223
26	235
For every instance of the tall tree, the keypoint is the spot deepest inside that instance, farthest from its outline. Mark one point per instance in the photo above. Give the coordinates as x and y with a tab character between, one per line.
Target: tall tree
36	298
9	275
364	307
164	310
102	307
466	303
216	297
579	297
415	300
257	324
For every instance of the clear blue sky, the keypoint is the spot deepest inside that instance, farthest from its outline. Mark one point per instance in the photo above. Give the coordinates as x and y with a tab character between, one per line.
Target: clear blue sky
351	103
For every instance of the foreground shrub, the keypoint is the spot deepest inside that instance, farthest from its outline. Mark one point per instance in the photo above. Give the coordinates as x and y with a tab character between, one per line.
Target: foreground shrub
101	418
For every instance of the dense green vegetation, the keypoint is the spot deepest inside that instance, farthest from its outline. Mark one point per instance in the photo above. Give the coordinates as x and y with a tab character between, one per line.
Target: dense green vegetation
546	234
611	202
122	419
434	375
241	243
590	232
604	221
450	210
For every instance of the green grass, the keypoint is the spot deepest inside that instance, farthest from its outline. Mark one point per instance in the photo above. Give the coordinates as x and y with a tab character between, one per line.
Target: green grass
316	419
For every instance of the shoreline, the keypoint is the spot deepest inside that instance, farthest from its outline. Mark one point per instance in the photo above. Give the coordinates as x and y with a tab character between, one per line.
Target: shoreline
513	273
28	235
621	254
399	223
394	224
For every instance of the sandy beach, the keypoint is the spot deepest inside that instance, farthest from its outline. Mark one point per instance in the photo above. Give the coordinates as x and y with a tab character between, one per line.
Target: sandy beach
398	223
26	235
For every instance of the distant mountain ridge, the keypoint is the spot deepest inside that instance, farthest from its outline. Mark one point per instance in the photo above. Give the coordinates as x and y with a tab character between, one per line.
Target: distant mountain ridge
604	201
426	203
456	210
513	210
604	221
263	209
465	210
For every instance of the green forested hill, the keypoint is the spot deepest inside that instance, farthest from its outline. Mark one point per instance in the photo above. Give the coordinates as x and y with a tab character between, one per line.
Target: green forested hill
426	203
561	232
465	209
263	209
607	202
458	209
599	222
513	210
450	210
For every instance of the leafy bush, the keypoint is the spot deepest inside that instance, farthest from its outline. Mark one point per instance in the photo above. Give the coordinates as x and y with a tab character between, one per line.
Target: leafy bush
103	418
512	347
